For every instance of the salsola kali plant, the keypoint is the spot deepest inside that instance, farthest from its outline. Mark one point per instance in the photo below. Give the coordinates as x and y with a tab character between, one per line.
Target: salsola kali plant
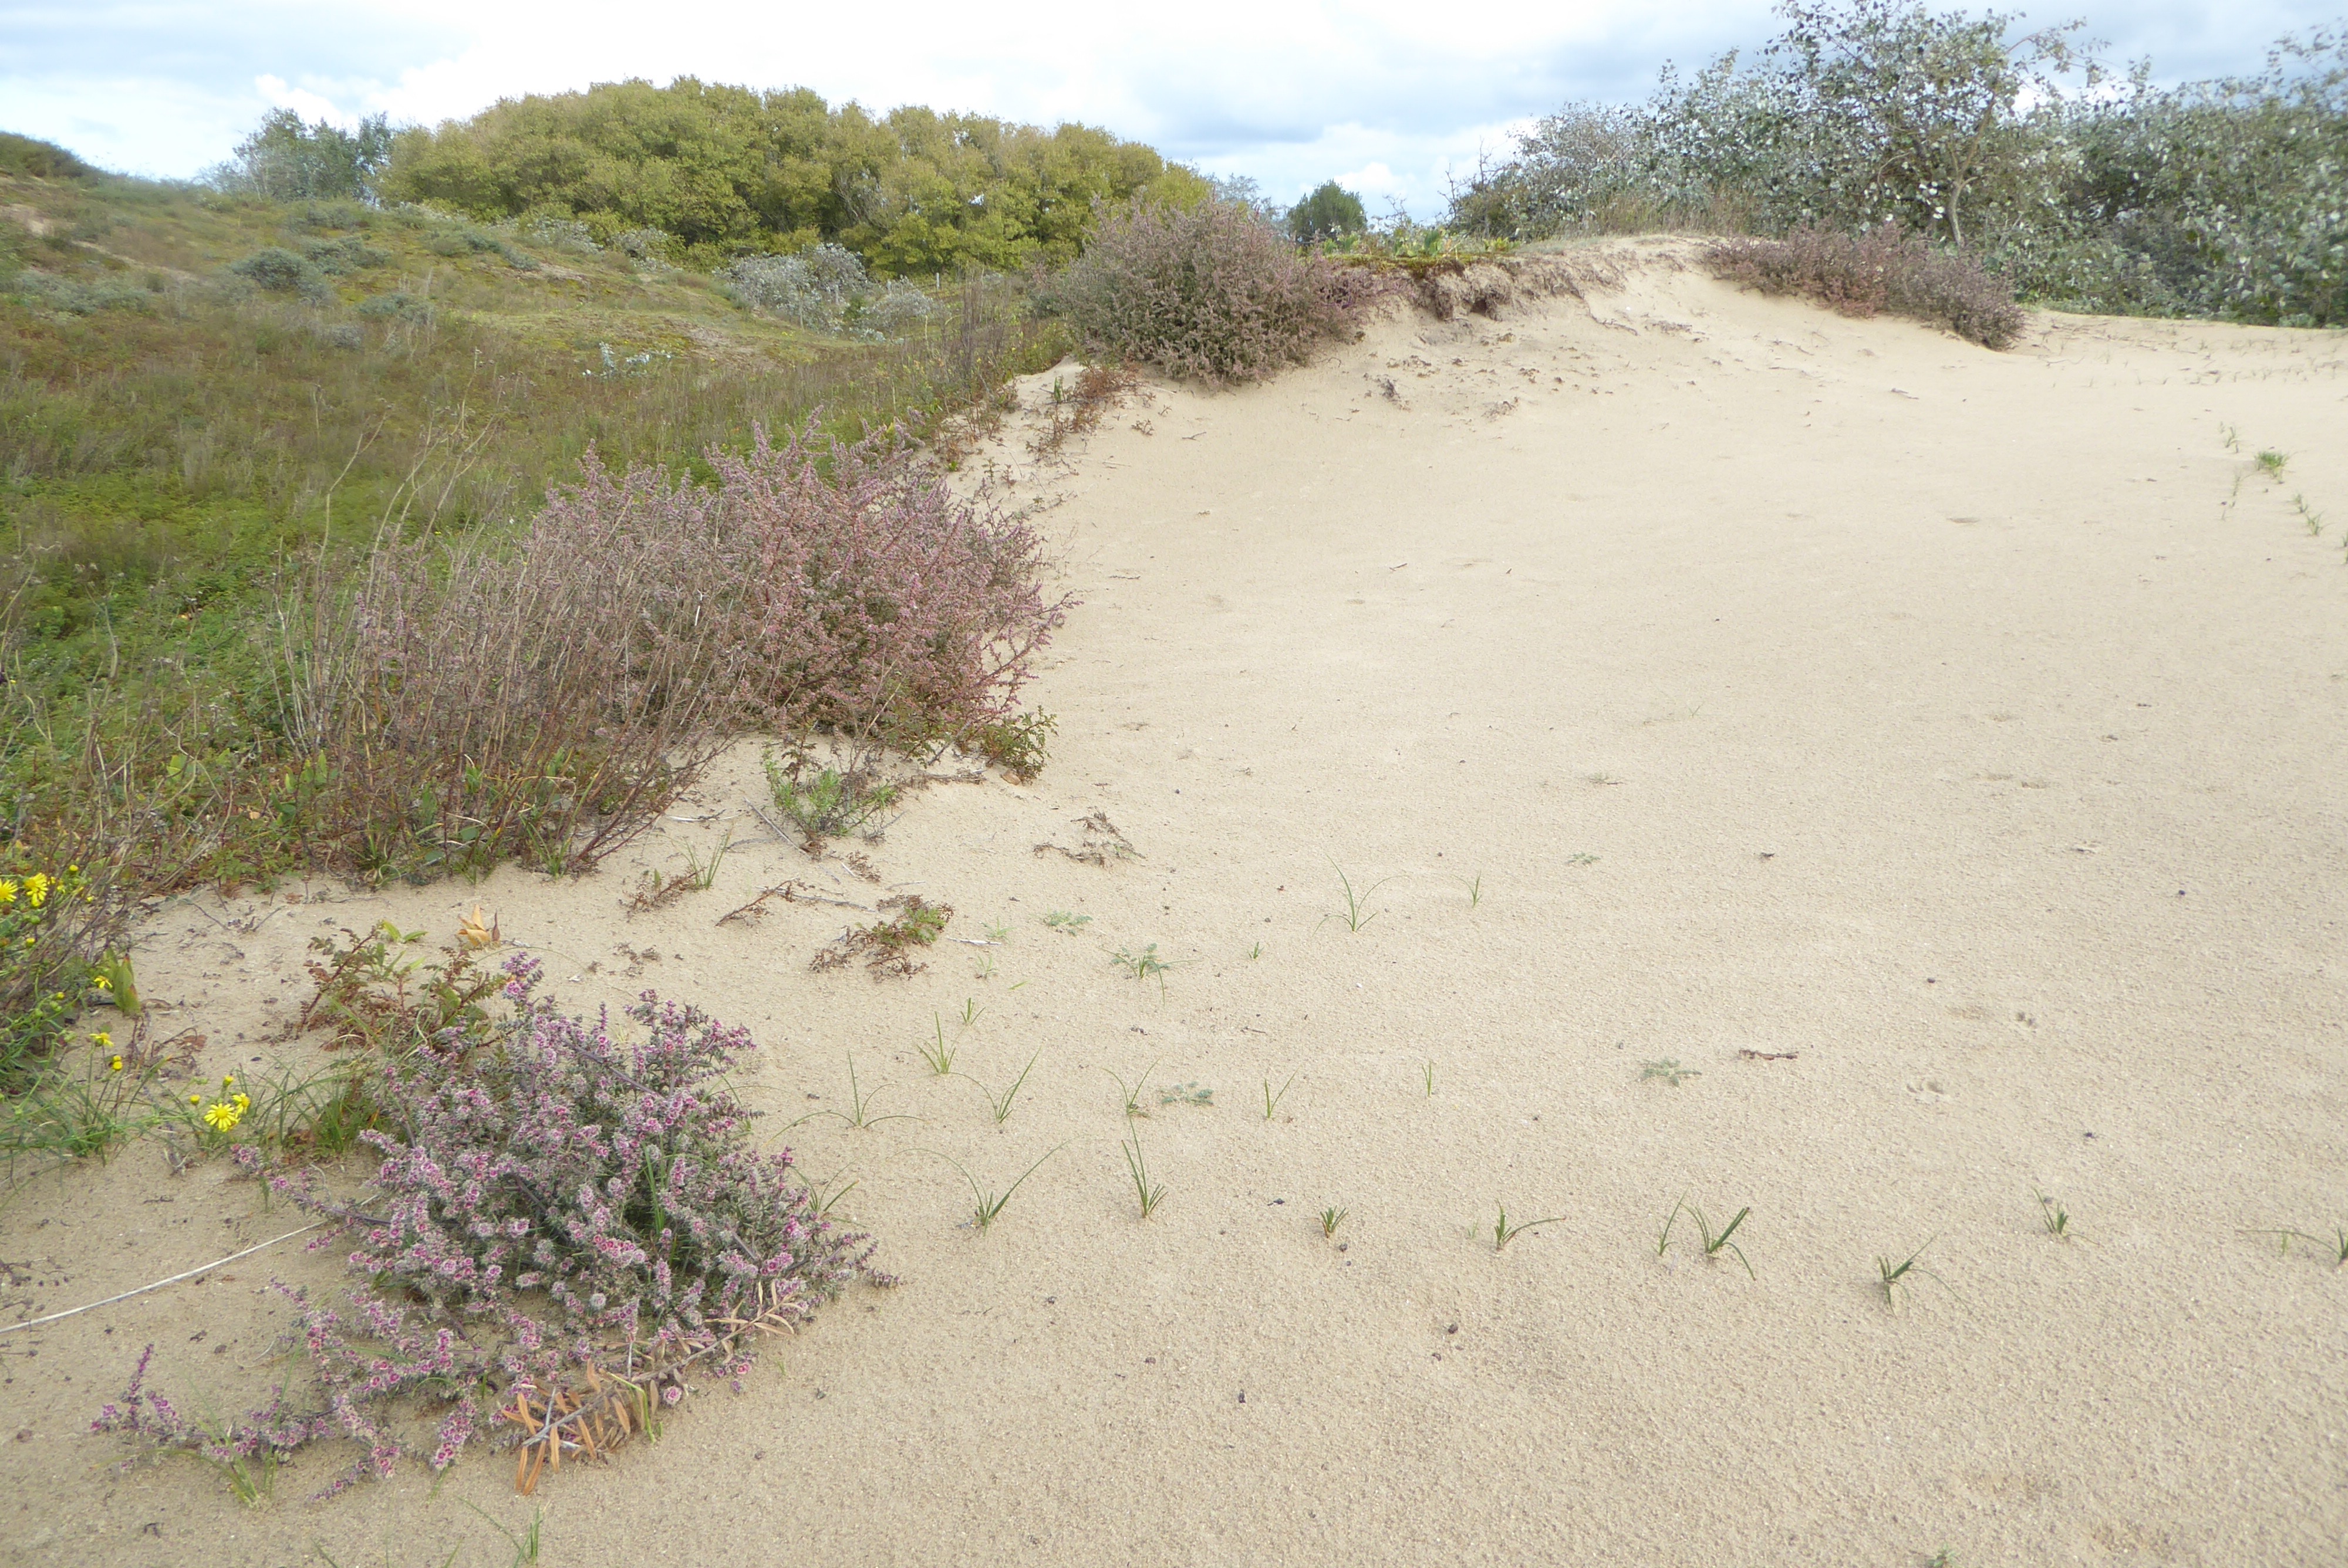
562	1229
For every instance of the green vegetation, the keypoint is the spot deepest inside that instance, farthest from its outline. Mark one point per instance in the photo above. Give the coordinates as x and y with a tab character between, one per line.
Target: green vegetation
700	173
1326	214
2215	197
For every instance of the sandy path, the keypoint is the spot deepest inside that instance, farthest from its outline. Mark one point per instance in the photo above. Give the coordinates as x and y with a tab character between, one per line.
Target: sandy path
1952	723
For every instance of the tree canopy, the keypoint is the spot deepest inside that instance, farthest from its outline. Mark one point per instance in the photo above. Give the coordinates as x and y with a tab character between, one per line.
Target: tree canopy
730	170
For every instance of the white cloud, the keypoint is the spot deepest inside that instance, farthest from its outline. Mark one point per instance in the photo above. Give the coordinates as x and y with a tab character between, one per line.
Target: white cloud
1391	94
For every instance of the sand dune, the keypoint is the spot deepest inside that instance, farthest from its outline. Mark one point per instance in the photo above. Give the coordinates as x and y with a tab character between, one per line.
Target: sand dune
1935	753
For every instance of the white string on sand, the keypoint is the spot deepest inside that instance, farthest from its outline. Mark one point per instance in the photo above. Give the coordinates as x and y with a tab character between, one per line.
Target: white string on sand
190	1274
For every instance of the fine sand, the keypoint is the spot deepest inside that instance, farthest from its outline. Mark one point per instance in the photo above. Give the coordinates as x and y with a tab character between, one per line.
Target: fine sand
1936	753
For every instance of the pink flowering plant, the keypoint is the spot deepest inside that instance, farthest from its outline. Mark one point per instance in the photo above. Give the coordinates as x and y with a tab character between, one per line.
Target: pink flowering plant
563	1227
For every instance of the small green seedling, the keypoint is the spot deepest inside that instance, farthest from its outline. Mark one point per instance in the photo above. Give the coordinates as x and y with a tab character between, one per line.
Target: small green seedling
1717	1242
1669	1070
2336	1247
970	1011
1582	859
859	1114
525	1545
986	1206
1358	913
985	971
702	876
1271	1098
2230	436
833	805
1001	1104
1150	1193
1133	1091
2308	515
825	1197
2052	1216
1892	1278
1475	886
940	1056
1255	952
2272	463
1331	1218
1144	964
1504	1231
1428	1075
999	932
1186	1094
1065	923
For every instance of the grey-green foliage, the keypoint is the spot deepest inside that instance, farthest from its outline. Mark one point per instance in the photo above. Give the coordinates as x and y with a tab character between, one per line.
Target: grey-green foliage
2222	198
286	160
280	271
826	288
75	296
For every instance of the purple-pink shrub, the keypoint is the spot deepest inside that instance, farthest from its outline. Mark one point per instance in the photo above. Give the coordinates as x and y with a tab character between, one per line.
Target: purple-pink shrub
555	1207
1880	270
1211	291
870	594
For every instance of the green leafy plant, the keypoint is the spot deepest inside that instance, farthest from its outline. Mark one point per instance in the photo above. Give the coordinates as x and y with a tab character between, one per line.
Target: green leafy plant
1144	964
2052	1216
1667	1071
2336	1245
1148	1193
1357	912
1132	1092
939	1055
1892	1278
1504	1231
1272	1098
1065	923
859	1114
1186	1094
987	1205
1713	1242
2272	463
827	803
1000	1104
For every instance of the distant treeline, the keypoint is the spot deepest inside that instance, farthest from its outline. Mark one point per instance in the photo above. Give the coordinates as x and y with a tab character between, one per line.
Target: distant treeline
725	172
2224	197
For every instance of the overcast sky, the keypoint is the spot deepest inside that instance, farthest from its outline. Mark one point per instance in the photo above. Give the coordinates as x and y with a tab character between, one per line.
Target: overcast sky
1386	97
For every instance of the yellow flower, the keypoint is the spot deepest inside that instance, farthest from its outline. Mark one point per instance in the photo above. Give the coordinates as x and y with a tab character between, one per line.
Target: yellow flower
115	1064
228	1080
37	889
195	1099
102	983
243	1103
8	891
102	1039
222	1116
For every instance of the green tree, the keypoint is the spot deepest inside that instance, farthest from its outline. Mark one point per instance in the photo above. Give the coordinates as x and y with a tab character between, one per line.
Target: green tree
1327	213
731	172
287	160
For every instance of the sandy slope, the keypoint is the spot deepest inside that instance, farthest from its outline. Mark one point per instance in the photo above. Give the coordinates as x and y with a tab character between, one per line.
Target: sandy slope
1965	727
